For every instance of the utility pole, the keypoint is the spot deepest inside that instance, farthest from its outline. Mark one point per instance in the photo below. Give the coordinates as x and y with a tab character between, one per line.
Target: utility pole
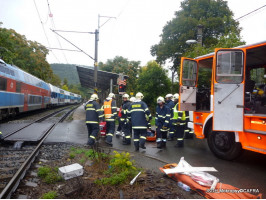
199	35
96	61
97	31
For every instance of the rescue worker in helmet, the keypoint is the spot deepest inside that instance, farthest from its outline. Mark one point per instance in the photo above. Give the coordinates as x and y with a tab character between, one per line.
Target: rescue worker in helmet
124	119
170	104
137	113
93	115
179	122
162	119
132	99
110	114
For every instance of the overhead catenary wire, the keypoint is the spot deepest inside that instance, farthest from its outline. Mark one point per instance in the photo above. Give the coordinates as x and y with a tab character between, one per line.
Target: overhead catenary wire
72	44
250	12
53	25
44	29
63	49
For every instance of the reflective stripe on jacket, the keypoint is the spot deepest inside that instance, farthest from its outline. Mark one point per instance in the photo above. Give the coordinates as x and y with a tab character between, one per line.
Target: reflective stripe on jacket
93	112
179	117
162	117
110	110
137	113
124	111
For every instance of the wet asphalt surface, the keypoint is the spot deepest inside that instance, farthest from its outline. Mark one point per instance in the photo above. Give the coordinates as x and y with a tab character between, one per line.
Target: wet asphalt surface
246	172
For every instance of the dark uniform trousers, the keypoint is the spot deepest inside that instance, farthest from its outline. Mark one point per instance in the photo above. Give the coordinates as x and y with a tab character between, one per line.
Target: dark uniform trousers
110	129
172	132
126	129
93	130
180	134
161	134
139	137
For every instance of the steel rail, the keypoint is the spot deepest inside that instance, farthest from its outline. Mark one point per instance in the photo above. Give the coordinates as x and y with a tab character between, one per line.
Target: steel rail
14	182
38	120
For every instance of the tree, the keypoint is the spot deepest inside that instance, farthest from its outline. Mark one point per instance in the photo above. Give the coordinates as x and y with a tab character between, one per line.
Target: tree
65	82
227	41
153	82
214	15
122	65
65	87
27	55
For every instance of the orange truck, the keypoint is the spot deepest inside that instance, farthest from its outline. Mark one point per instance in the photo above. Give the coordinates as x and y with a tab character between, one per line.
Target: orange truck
226	90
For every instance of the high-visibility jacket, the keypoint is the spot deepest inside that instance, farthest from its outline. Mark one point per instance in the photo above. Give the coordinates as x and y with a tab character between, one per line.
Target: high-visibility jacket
137	113
162	116
110	110
124	111
93	112
179	117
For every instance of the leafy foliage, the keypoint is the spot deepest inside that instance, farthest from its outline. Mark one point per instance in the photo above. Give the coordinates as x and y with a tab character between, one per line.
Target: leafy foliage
122	65
218	26
27	55
153	82
120	170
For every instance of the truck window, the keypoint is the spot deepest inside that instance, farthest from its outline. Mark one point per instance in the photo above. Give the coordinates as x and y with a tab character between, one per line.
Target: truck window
229	67
189	74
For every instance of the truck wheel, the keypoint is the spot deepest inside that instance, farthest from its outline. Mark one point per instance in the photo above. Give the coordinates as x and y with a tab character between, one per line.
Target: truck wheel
223	145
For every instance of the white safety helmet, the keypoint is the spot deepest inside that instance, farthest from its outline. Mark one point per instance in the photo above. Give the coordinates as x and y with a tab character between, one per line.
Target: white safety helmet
111	95
139	95
94	97
125	96
176	96
132	99
169	96
160	99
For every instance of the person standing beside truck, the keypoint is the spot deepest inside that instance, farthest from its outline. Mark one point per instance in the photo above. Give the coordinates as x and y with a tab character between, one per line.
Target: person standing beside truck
162	120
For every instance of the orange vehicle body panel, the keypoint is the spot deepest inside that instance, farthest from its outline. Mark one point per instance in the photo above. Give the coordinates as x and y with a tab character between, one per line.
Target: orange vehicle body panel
253	137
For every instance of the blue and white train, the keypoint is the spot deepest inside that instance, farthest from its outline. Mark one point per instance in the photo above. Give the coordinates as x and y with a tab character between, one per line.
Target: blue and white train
22	92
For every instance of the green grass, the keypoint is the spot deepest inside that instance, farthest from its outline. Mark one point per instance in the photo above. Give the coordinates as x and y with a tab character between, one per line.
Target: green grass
49	175
49	195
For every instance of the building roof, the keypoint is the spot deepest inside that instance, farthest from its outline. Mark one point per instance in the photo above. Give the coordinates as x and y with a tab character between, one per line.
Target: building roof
86	77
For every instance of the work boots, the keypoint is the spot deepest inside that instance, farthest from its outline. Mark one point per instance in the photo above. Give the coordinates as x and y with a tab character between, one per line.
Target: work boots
180	143
163	144
159	145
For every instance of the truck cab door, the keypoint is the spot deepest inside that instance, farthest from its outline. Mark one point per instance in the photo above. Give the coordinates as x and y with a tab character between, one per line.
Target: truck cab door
228	90
188	84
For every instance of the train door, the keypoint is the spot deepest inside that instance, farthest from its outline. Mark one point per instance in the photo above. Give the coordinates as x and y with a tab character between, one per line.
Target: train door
26	98
228	90
188	84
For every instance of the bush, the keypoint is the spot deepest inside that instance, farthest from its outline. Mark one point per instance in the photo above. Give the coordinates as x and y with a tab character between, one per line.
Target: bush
120	170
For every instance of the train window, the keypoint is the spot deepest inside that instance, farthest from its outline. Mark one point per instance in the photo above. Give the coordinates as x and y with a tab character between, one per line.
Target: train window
18	87
3	83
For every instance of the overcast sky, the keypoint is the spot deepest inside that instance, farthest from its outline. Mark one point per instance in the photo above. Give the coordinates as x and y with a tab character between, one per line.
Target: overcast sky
136	28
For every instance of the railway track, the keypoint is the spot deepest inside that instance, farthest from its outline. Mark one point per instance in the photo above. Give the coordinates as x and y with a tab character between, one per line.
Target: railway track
14	163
